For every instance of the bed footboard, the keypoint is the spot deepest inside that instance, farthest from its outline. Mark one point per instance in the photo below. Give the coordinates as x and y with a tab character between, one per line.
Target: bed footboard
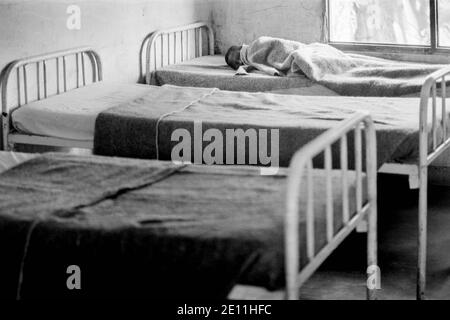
166	47
430	149
301	170
434	140
41	76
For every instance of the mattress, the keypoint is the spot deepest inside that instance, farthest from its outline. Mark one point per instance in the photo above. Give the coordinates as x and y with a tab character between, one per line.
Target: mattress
72	115
158	230
144	128
213	72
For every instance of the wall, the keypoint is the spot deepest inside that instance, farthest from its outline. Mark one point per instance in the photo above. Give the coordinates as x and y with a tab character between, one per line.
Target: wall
241	21
116	28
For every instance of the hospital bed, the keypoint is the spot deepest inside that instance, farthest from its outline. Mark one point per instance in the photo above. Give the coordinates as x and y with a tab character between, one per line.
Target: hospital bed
76	110
185	56
210	70
271	232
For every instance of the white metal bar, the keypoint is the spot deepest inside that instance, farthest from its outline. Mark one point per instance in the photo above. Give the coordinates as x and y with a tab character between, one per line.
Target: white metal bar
64	73
371	172
329	193
83	68
77	69
58	86
187	45
45	79
301	165
196	52
344	170
19	98
168	49
422	234
182	46
155	54
200	42
175	48
434	116
38	81
310	239
444	108
25	83
97	67
358	167
423	188
162	51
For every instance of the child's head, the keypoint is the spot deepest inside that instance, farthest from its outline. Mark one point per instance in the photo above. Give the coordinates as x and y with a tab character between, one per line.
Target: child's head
233	57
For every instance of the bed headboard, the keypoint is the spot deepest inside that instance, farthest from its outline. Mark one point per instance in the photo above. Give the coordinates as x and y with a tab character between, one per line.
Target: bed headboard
35	78
166	47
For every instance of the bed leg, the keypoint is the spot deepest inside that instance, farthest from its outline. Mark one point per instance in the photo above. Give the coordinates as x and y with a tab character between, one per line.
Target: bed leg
422	235
373	271
414	181
5	132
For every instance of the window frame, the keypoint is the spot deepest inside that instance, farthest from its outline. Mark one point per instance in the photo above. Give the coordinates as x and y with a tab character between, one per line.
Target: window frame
392	48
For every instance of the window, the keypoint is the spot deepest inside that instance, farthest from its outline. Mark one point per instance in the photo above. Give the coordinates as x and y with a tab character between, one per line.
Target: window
421	25
443	8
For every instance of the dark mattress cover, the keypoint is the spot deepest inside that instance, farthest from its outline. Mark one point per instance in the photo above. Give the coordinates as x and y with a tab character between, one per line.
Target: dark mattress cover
213	72
144	126
144	228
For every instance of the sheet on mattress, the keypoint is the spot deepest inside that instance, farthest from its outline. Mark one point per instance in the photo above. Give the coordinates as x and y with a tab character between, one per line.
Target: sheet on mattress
9	159
157	229
132	130
213	72
72	115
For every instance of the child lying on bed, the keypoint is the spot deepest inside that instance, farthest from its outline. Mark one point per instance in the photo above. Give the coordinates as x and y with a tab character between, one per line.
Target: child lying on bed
266	54
344	73
236	58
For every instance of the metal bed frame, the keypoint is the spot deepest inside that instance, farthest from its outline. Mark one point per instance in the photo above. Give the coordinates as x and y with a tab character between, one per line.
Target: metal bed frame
301	171
177	51
40	62
417	170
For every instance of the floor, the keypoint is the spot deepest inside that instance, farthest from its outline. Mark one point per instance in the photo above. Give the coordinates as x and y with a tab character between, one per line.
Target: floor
343	274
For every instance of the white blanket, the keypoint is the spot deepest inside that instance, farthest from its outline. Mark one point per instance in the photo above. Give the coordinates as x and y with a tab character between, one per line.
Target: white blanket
346	74
72	115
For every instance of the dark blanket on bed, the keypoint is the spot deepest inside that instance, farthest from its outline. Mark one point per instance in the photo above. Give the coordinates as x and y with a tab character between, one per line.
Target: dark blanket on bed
144	229
133	130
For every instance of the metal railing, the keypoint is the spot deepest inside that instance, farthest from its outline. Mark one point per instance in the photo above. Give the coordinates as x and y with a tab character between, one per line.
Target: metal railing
41	77
302	171
174	45
431	146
